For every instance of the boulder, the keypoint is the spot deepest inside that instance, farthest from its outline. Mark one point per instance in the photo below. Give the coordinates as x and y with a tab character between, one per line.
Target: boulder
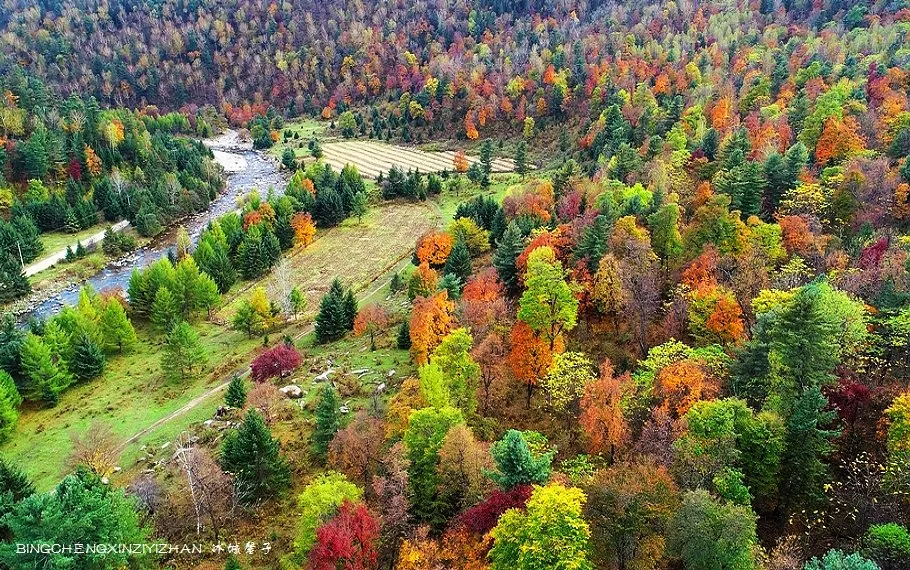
292	391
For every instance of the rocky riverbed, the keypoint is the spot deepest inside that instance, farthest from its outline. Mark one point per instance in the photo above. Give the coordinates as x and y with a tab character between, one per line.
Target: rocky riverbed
246	169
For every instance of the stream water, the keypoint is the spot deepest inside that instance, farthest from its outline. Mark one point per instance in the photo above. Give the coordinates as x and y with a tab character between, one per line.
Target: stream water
246	169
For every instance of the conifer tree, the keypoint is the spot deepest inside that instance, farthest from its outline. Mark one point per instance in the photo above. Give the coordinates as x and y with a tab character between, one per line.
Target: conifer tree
521	159
235	396
350	310
9	404
516	464
486	162
183	353
87	360
328	421
165	309
510	247
253	456
116	328
13	283
14	486
404	336
333	318
459	261
45	377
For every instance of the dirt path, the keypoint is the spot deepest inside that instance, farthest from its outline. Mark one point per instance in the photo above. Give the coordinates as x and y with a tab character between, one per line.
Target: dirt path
60	255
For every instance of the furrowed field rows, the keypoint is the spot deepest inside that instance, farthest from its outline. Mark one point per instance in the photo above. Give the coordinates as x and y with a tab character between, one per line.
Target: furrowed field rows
373	158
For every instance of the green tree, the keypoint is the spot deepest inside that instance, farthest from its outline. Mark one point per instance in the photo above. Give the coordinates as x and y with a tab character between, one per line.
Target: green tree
516	465
165	310
13	282
548	305
744	183
458	369
808	444
887	544
360	205
510	246
550	534
665	236
288	159
594	242
837	560
232	564
183	353
708	534
206	294
565	382
235	396
14	486
246	319
486	162
253	456
459	261
81	510
403	341
9	405
45	378
116	328
87	360
331	322
328	421
426	431
521	158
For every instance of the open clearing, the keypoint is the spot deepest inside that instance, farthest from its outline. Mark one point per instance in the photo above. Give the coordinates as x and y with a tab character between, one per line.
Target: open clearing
372	158
131	395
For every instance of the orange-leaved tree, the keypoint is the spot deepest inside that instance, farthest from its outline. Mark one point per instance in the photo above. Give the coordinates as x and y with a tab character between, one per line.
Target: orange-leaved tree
432	318
602	417
530	356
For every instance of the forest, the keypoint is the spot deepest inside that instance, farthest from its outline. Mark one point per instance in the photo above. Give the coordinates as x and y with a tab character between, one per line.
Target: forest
675	336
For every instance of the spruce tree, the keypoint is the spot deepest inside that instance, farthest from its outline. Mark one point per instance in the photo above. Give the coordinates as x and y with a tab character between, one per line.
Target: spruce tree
778	181
14	486
235	396
220	268
521	159
808	443
486	162
87	360
253	456
516	464
183	354
593	243
328	421
510	247
350	310
404	336
459	261
331	322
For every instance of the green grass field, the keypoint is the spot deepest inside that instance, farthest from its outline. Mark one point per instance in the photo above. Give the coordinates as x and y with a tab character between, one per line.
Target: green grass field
304	129
56	241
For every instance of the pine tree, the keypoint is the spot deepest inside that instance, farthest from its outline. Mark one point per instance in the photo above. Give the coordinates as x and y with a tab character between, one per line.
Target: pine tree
404	336
116	328
253	456
459	261
808	444
220	268
14	486
593	243
521	159
9	404
235	396
327	421
183	353
87	359
331	322
508	250
778	181
516	464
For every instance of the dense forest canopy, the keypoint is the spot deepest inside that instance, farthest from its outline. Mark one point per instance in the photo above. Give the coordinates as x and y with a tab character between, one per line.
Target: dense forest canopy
676	336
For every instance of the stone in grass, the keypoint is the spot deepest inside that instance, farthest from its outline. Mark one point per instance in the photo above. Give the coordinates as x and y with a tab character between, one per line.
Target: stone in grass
292	391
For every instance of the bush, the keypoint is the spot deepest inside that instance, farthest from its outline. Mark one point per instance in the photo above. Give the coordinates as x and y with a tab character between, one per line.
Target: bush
887	544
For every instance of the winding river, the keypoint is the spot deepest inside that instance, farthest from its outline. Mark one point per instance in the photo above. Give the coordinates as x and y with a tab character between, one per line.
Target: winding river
246	169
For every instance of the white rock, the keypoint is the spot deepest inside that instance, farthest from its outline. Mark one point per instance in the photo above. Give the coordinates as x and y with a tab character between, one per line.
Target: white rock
291	391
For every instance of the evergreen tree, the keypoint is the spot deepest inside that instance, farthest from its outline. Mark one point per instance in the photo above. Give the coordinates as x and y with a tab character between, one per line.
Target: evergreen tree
744	184
521	158
220	268
360	205
251	259
253	456
246	319
331	322
516	464
350	310
509	248
328	420
14	486
404	336
13	282
9	408
116	328
778	180
710	143
235	396
593	243
45	379
183	353
808	444
486	162
459	261
165	309
232	564
87	359
206	294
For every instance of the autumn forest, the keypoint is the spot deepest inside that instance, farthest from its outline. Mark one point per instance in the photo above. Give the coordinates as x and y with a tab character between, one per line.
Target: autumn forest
481	284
